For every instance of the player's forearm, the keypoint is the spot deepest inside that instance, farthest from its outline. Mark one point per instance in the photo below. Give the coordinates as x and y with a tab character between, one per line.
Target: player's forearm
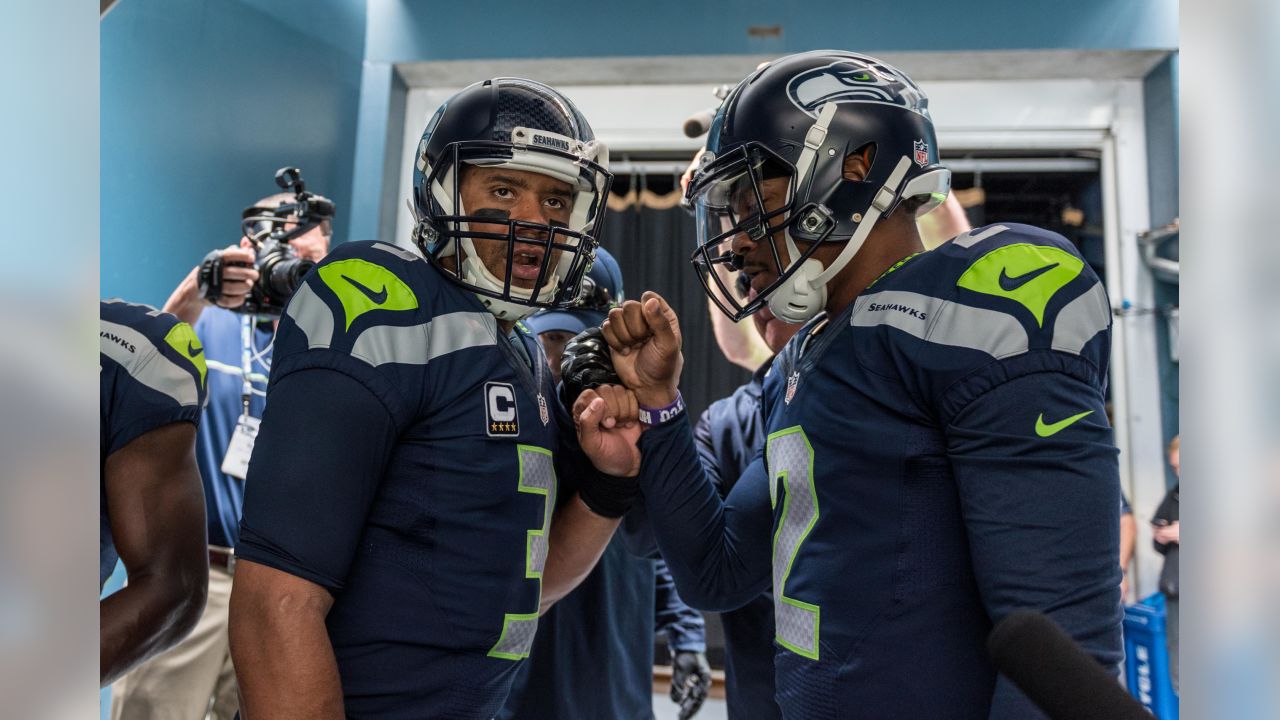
1128	539
578	538
719	562
149	615
739	342
185	300
284	661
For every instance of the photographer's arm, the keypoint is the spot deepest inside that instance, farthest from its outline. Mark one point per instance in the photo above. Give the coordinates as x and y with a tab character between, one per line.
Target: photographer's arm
186	300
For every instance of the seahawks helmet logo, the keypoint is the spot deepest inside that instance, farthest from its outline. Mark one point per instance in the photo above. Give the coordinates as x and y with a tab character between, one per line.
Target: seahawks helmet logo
840	82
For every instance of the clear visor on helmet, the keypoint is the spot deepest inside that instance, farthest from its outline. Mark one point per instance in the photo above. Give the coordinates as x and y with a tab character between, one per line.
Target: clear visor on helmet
526	219
741	200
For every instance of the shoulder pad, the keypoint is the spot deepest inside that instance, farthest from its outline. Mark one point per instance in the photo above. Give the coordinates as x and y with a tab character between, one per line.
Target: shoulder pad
382	304
1000	289
154	348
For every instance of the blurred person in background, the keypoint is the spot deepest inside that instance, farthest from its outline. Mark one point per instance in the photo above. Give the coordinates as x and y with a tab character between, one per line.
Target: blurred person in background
593	654
196	676
1128	541
152	387
1165	536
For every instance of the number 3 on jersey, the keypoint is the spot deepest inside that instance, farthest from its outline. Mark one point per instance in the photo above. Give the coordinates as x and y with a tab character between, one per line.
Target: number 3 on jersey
537	476
791	472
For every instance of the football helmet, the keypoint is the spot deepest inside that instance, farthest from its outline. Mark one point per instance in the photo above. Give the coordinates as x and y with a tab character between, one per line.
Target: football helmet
519	125
793	122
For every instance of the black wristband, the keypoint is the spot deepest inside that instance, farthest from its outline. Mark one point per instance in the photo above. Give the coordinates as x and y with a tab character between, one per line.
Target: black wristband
609	495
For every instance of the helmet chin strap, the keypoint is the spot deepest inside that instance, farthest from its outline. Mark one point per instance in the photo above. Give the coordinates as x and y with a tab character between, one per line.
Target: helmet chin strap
804	294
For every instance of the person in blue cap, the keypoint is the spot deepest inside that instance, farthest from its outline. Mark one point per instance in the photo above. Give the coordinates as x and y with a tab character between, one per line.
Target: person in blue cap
593	654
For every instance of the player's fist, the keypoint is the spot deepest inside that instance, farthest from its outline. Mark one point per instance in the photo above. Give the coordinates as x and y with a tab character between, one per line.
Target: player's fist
607	420
644	340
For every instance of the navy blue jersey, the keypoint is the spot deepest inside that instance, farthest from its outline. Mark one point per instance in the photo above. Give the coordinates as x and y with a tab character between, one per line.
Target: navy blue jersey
407	461
938	455
151	374
730	434
220	331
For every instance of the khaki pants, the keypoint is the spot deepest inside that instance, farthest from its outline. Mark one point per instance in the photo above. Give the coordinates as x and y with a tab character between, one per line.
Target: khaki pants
190	681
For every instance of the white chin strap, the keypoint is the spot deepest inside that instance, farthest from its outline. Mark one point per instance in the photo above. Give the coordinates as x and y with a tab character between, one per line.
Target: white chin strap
804	294
475	272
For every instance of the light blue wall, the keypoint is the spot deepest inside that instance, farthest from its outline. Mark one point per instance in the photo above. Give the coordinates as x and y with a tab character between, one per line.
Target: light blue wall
201	101
405	30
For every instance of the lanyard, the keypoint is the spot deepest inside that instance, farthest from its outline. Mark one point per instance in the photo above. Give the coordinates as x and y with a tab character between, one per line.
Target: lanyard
246	360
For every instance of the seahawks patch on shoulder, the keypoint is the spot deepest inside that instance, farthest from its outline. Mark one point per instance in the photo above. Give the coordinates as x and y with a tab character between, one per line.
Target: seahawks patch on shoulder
501	416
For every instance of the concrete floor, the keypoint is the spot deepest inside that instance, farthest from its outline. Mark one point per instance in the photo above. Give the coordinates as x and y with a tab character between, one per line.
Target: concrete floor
712	709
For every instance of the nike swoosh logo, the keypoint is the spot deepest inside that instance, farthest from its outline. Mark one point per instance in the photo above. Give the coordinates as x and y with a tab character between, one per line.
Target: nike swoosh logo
192	350
1045	430
1009	284
377	298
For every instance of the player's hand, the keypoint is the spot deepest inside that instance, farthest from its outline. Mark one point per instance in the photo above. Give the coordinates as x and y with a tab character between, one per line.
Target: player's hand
690	681
607	419
644	341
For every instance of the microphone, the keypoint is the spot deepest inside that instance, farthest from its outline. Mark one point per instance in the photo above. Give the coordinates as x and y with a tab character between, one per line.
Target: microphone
699	123
1052	670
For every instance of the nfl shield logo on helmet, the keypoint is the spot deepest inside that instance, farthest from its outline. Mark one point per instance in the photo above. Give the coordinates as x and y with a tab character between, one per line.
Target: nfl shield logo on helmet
792	382
922	153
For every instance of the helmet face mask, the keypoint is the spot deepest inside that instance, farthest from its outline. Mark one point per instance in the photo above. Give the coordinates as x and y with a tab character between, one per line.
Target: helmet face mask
531	135
749	193
799	118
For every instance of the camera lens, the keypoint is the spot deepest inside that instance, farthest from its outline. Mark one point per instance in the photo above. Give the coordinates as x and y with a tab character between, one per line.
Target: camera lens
284	277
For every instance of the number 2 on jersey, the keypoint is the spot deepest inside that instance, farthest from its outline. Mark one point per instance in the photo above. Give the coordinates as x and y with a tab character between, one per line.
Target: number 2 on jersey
791	466
537	476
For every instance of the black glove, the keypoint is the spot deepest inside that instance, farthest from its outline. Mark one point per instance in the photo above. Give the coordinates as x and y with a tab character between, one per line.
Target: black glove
586	364
690	681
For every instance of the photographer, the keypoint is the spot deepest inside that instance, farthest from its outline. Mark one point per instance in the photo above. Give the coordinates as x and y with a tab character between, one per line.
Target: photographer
233	299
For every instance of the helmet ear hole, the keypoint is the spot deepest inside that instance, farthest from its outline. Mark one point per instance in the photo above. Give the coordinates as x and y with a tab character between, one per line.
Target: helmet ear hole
857	164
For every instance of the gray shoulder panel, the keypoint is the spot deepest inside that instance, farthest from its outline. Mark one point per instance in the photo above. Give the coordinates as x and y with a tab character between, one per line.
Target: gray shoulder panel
146	364
942	321
1081	320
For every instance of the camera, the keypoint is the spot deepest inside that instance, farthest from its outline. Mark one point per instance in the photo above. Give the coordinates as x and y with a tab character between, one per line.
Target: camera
269	229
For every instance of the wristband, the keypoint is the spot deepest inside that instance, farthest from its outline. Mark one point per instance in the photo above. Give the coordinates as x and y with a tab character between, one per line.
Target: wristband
608	495
657	416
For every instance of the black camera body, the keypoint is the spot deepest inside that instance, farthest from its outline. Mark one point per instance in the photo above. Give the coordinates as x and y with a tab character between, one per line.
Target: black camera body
269	229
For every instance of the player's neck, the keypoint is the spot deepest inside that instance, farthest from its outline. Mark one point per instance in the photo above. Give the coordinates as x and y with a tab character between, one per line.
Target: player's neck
887	245
506	325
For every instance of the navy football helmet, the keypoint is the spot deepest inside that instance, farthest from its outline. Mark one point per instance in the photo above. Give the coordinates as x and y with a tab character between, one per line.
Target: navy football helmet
521	125
794	121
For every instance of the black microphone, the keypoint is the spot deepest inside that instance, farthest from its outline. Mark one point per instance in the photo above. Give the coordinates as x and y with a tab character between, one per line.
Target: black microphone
699	123
1056	673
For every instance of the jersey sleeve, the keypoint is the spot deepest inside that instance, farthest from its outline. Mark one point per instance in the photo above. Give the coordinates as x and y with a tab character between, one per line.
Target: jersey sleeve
684	627
154	372
314	474
363	312
348	377
1038	481
717	549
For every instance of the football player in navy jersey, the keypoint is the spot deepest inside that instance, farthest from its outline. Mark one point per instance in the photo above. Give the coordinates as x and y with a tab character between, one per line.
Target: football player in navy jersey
416	495
152	378
937	453
593	655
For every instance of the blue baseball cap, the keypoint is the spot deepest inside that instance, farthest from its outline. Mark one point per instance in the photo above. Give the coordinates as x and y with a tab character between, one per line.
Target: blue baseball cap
602	289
